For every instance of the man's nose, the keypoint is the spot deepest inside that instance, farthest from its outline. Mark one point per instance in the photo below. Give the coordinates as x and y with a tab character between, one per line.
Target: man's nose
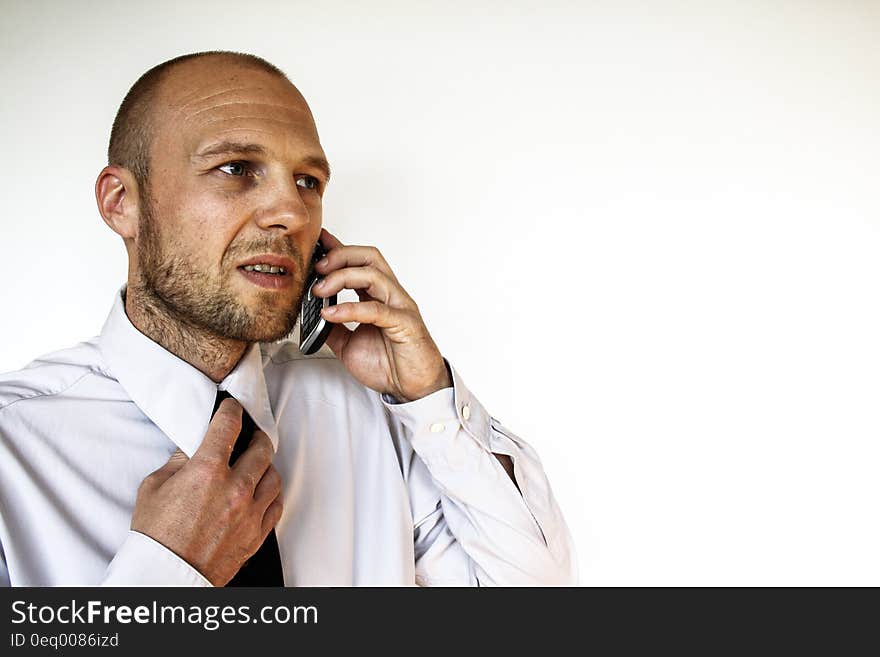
283	208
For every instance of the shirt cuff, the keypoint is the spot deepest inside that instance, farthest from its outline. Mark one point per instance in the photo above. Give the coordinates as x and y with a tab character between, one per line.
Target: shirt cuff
141	561
441	415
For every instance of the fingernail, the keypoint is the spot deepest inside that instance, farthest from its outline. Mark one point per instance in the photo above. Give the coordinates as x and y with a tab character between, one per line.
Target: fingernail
329	310
322	263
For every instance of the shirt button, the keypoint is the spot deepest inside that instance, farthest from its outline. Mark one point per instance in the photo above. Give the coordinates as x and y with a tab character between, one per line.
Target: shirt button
466	412
437	427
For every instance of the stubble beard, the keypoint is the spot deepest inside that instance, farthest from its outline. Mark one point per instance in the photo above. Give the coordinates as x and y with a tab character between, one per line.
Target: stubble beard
191	298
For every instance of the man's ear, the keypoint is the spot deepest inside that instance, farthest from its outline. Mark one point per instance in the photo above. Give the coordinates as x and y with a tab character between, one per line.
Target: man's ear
117	194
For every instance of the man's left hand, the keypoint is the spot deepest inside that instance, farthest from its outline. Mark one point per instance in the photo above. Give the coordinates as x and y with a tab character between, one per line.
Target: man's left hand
391	351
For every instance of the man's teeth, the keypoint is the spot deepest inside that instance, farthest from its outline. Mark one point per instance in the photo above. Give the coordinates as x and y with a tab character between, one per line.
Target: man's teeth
266	269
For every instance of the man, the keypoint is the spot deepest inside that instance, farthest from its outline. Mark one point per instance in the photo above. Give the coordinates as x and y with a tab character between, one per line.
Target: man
120	458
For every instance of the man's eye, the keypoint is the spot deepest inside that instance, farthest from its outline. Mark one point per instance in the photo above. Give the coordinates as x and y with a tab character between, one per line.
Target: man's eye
234	168
308	182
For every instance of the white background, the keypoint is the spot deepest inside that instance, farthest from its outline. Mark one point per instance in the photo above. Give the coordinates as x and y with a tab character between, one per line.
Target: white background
646	233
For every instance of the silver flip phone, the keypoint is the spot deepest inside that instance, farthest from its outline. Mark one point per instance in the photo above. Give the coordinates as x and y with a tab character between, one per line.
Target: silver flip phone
313	329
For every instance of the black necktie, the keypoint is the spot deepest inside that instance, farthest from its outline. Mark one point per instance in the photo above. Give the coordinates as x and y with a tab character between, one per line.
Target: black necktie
264	568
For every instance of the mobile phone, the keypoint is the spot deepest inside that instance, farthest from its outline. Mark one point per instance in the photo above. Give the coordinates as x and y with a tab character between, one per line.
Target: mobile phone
314	329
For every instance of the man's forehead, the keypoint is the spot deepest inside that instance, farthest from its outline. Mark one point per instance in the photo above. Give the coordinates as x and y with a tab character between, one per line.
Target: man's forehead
202	105
230	94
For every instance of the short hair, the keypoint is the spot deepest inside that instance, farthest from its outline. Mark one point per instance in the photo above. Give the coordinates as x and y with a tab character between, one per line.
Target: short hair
131	135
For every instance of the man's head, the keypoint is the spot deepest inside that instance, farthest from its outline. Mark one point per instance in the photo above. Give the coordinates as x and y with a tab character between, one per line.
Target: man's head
214	165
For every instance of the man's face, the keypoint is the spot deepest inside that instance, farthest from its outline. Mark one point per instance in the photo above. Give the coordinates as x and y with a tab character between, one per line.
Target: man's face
236	179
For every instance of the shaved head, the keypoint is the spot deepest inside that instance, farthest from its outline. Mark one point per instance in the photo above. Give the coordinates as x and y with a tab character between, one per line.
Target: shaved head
133	128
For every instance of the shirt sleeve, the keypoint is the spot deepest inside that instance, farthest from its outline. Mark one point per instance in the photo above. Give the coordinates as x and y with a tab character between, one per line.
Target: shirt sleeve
472	525
142	561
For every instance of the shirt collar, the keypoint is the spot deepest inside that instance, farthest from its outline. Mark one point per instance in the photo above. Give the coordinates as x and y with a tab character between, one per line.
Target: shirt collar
174	395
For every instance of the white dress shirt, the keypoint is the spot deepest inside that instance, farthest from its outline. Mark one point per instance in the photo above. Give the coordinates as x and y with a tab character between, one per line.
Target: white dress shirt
375	492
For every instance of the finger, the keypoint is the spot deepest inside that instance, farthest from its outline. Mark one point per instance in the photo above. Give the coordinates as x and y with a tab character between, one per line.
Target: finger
354	256
222	432
369	279
271	518
397	322
329	240
268	489
252	464
158	477
176	462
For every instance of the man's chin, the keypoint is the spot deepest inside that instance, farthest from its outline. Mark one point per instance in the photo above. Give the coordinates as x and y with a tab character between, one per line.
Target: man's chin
269	326
269	317
264	327
273	336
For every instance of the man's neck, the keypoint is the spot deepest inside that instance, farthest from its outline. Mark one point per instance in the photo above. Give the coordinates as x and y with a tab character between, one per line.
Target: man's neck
209	353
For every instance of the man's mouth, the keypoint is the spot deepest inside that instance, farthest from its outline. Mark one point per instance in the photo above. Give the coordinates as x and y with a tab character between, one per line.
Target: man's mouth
266	269
269	271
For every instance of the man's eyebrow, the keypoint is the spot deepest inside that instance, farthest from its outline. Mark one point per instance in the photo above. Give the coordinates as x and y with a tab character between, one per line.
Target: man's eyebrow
321	163
240	148
229	148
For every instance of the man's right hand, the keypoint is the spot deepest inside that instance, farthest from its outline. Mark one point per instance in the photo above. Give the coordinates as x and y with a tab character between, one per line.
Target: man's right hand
210	514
